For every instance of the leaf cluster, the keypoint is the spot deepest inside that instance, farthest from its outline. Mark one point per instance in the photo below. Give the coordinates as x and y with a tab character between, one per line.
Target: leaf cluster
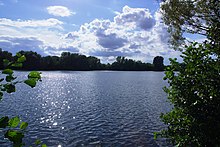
194	92
14	127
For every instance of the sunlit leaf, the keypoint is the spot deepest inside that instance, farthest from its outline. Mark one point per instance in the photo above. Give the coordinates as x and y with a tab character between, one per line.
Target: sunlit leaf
7	71
44	145
34	74
31	82
37	142
17	65
23	125
18	55
21	59
13	122
14	136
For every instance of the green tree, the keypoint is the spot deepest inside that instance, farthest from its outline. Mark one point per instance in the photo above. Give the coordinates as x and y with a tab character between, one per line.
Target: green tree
194	90
13	127
195	94
192	16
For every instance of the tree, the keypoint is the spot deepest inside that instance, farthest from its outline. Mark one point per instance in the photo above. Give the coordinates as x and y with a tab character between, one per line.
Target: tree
4	55
124	64
194	93
32	61
158	63
192	16
194	89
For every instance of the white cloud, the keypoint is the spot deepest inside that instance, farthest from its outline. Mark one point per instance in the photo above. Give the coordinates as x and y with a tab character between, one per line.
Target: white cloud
51	22
59	11
39	35
126	35
134	33
140	17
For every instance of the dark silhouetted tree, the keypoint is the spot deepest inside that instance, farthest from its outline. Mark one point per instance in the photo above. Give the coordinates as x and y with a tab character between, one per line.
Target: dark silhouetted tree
33	60
4	55
158	63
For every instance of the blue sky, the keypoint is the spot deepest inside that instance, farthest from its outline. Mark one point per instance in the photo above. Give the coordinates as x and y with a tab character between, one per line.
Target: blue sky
105	29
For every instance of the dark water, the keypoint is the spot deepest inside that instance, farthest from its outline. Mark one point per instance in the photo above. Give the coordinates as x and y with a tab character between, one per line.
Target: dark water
97	108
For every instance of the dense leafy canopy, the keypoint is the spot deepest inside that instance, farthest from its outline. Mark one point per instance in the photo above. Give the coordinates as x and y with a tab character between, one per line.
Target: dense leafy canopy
194	90
195	93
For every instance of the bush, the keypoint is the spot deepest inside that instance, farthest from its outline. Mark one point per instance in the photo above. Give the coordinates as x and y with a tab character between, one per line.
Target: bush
194	92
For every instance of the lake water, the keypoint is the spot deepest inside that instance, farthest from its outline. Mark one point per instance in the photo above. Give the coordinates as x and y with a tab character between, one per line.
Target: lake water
95	108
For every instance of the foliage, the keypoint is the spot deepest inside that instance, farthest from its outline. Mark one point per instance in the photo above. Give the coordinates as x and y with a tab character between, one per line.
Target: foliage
194	92
158	63
72	61
194	89
192	16
14	127
124	64
4	55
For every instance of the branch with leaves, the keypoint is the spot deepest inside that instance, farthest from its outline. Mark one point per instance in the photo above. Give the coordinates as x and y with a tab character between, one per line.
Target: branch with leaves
14	128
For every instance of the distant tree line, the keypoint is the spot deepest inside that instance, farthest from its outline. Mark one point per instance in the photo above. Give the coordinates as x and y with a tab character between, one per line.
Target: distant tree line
73	61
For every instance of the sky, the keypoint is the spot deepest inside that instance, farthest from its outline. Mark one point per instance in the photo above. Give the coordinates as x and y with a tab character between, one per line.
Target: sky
101	28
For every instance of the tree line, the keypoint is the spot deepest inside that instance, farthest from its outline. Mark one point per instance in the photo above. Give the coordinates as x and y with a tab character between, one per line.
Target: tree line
73	61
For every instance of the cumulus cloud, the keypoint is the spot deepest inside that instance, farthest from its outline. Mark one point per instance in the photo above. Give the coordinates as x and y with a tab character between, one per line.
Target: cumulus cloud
138	17
133	32
60	11
110	41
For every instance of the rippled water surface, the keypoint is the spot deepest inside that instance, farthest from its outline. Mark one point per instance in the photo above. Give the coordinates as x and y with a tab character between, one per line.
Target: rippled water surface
97	108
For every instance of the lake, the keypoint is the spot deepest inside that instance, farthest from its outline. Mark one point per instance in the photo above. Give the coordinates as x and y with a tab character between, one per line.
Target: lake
93	108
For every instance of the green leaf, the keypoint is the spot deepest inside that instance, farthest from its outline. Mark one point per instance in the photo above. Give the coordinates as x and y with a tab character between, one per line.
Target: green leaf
23	125
37	142
13	122
9	88
44	145
155	135
4	122
21	59
7	71
6	62
17	65
34	74
10	78
15	137
18	55
31	82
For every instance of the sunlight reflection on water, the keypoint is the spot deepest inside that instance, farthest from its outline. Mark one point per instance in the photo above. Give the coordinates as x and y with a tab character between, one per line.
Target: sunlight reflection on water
92	108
